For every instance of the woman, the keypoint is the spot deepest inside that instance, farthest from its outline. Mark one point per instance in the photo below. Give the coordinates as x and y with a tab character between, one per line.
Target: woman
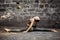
32	23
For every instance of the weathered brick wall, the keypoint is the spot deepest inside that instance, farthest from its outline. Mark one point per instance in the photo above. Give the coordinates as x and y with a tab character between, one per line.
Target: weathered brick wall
48	11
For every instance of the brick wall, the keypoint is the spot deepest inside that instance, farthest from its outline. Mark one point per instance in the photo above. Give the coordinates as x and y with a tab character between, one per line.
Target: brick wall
47	10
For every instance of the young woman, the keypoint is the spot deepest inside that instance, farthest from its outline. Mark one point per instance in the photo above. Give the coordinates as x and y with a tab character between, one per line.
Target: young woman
33	23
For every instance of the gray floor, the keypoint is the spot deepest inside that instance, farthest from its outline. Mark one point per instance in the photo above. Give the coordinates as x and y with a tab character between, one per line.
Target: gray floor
34	35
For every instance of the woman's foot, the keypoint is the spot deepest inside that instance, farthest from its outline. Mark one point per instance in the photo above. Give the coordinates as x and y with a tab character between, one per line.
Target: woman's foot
54	30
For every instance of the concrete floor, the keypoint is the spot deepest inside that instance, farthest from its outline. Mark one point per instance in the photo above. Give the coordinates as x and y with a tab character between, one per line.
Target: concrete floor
33	35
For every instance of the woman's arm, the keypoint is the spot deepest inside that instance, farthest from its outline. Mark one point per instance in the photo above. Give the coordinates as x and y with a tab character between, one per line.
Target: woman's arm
30	26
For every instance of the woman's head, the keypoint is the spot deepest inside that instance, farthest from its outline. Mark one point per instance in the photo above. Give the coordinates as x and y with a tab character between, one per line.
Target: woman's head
36	18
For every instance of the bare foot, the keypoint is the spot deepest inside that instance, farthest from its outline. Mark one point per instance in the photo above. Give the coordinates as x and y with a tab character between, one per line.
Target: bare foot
54	30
